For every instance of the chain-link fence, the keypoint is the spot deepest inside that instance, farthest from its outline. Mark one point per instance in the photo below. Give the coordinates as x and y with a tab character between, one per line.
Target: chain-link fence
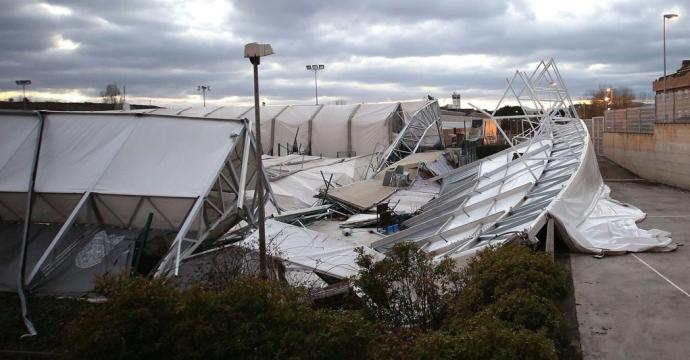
635	120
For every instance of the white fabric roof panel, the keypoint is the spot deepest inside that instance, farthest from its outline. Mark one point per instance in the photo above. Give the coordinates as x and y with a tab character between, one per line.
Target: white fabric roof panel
169	157
370	128
329	130
76	150
267	114
331	255
17	143
118	153
411	107
231	112
293	121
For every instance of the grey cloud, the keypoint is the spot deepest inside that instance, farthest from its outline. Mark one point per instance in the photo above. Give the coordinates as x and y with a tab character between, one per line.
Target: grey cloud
142	46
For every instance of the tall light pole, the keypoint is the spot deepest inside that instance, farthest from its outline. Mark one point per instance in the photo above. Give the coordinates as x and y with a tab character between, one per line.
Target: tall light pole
316	69
23	84
666	16
203	89
609	98
254	52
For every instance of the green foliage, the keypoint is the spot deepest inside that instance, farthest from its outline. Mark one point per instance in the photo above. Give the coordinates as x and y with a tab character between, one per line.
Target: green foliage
406	288
134	323
508	110
253	319
486	337
503	305
497	273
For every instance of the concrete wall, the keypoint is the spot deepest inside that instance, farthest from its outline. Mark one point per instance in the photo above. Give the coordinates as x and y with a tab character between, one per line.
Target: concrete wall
663	156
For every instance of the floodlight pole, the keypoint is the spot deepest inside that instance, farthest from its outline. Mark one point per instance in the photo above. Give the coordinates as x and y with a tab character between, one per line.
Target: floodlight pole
665	114
316	69
203	89
316	87
666	16
263	271
23	84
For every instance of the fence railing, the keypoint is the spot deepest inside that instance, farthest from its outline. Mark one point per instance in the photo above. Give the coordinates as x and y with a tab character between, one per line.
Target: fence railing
635	120
595	126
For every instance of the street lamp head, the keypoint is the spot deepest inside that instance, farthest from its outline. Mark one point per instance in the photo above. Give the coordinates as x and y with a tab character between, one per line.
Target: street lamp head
23	82
321	67
253	50
308	67
670	16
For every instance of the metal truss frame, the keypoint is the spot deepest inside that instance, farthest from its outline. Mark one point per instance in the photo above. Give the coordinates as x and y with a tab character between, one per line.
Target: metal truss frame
548	148
223	205
411	137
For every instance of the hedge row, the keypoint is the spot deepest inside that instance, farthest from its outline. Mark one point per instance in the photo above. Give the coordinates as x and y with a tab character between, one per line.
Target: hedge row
502	306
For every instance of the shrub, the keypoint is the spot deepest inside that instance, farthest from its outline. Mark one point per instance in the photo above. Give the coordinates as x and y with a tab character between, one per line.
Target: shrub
406	288
252	319
497	273
485	338
522	309
133	323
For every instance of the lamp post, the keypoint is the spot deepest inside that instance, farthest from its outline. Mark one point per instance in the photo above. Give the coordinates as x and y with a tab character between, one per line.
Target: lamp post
254	52
23	84
609	98
316	69
203	89
666	16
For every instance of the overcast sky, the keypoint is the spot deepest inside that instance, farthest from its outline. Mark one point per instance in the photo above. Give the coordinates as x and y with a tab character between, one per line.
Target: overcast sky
373	50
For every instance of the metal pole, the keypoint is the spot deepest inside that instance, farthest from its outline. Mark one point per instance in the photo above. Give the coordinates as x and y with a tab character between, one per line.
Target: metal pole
665	114
24	95
259	178
21	286
316	87
203	94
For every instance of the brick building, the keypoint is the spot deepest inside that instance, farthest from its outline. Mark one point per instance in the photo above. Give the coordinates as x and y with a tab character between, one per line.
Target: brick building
677	107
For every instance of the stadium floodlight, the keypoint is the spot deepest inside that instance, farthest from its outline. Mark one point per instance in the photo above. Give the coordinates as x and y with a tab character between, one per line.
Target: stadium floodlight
203	89
23	84
254	52
316	68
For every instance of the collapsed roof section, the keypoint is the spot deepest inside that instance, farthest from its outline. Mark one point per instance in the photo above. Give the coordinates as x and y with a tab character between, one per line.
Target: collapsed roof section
389	130
102	178
549	172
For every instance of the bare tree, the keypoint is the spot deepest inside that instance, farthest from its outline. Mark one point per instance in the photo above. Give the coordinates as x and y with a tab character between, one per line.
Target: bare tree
111	94
604	98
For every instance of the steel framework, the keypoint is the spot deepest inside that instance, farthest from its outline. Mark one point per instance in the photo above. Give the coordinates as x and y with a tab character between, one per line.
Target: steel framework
419	128
505	195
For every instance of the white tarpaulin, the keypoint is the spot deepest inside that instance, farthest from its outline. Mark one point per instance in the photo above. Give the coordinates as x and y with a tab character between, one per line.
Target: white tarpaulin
596	223
330	121
293	125
331	255
17	142
267	114
298	190
370	128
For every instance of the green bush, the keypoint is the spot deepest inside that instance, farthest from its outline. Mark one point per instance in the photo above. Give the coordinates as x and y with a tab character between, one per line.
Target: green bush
497	273
406	288
503	305
252	319
134	323
486	338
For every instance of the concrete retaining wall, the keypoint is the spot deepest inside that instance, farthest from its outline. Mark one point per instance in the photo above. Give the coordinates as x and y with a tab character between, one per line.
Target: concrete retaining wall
663	156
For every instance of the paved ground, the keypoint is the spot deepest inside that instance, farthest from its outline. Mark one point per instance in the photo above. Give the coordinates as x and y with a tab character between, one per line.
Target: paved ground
629	310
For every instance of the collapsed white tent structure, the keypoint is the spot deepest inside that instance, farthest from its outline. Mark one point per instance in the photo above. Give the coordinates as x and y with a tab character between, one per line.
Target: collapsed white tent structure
79	189
550	172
